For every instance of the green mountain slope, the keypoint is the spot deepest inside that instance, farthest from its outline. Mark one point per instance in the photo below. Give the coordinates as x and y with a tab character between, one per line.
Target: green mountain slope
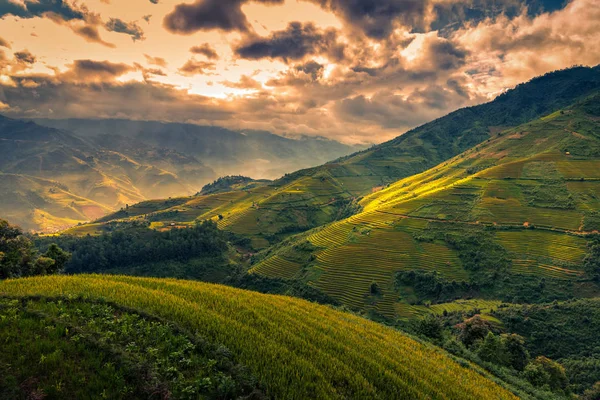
508	220
312	197
296	349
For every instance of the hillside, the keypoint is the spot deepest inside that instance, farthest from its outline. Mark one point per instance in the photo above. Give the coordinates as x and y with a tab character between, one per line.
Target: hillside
310	198
508	220
52	179
278	340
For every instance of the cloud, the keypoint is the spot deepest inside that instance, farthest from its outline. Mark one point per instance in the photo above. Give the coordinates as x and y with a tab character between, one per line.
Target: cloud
297	41
25	57
94	71
161	62
90	34
205	15
129	28
206	50
38	8
193	67
245	82
58	97
4	43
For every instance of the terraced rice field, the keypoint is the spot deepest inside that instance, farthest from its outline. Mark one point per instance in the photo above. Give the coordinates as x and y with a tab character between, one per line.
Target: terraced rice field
533	267
575	169
554	247
365	249
277	267
512	212
465	305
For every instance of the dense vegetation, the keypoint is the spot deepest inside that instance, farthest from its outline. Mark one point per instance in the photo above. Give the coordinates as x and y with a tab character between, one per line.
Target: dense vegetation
19	257
296	349
128	248
566	332
67	348
229	183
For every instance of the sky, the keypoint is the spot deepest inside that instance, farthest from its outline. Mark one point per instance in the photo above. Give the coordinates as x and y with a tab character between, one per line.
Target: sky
357	71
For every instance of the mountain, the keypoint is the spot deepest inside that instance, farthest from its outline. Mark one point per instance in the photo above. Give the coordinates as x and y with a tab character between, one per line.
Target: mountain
55	177
143	337
511	220
315	196
259	154
494	223
52	179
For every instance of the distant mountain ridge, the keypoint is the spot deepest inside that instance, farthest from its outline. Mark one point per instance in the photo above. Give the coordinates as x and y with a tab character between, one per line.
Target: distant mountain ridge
259	154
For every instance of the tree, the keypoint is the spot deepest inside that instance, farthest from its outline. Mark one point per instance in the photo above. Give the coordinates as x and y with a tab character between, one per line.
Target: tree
18	257
514	347
59	256
492	350
591	263
544	371
430	326
592	393
473	329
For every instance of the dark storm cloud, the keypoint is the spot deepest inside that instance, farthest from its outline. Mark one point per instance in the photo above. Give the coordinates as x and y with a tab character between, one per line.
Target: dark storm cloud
203	15
294	43
129	28
376	18
25	57
311	68
38	8
206	50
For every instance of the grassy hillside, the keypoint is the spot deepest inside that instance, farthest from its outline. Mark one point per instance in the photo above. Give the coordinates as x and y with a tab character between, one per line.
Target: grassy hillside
296	350
316	196
508	220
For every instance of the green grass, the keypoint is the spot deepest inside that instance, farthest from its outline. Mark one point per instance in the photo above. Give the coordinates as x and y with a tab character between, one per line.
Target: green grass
297	350
67	348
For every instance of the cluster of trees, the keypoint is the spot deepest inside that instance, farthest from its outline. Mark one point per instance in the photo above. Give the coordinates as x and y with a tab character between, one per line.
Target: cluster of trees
140	245
509	354
19	257
431	286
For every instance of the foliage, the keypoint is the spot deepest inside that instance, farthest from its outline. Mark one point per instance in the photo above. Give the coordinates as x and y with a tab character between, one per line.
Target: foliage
227	183
430	285
543	371
505	349
126	248
18	256
593	393
71	348
566	332
298	350
591	263
473	329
